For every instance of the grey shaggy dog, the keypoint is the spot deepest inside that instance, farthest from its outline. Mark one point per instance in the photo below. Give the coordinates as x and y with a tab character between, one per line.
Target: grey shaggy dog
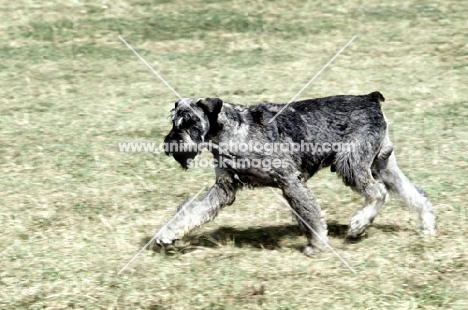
369	167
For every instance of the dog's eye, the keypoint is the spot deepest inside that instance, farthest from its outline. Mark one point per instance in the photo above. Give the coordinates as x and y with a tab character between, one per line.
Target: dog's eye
183	120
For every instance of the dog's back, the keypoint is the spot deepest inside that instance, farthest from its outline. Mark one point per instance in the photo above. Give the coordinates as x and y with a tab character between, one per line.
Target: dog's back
328	119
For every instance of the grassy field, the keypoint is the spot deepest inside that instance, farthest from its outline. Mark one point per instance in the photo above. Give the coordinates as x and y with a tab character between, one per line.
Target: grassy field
74	210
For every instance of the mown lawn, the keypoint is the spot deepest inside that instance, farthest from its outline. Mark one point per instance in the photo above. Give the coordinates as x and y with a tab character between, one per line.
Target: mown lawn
74	210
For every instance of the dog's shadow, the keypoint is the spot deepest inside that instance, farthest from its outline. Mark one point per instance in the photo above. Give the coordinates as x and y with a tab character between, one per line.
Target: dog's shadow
269	237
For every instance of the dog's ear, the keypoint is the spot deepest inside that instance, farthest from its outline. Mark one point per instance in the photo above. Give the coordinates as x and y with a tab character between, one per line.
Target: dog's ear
211	106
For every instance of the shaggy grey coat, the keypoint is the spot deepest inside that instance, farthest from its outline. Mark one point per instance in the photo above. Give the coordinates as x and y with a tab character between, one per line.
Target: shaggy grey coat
361	154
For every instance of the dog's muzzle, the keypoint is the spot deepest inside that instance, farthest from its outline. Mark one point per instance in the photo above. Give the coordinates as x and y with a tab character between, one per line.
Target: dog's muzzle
182	151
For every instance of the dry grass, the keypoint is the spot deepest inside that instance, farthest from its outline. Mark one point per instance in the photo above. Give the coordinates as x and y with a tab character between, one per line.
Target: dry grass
74	210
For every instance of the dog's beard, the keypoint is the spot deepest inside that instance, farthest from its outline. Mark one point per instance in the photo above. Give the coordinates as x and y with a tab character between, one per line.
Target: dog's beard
185	152
184	158
185	148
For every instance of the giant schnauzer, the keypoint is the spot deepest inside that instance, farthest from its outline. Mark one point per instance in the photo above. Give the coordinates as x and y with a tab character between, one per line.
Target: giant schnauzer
346	133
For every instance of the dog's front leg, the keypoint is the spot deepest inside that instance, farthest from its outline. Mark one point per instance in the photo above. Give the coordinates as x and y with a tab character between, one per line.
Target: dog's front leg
193	214
308	215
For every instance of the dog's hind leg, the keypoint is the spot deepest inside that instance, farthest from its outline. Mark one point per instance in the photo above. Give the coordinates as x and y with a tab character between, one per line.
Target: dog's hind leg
302	200
374	193
411	194
193	214
355	169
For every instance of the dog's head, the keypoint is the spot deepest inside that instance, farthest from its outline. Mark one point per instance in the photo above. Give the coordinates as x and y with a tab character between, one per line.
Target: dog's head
193	121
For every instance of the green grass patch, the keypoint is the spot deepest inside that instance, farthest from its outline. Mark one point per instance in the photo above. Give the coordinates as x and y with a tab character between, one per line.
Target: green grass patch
74	209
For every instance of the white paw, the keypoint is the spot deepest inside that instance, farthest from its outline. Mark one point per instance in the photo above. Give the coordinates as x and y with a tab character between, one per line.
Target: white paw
162	241
358	225
429	224
164	236
311	251
429	232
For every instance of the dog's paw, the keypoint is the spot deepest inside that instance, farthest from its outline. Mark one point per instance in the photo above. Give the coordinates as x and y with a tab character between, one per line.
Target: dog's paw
311	251
162	242
357	226
164	236
429	224
428	231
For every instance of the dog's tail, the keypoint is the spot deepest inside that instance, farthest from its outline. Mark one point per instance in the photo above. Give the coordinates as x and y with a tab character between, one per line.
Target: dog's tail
376	97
